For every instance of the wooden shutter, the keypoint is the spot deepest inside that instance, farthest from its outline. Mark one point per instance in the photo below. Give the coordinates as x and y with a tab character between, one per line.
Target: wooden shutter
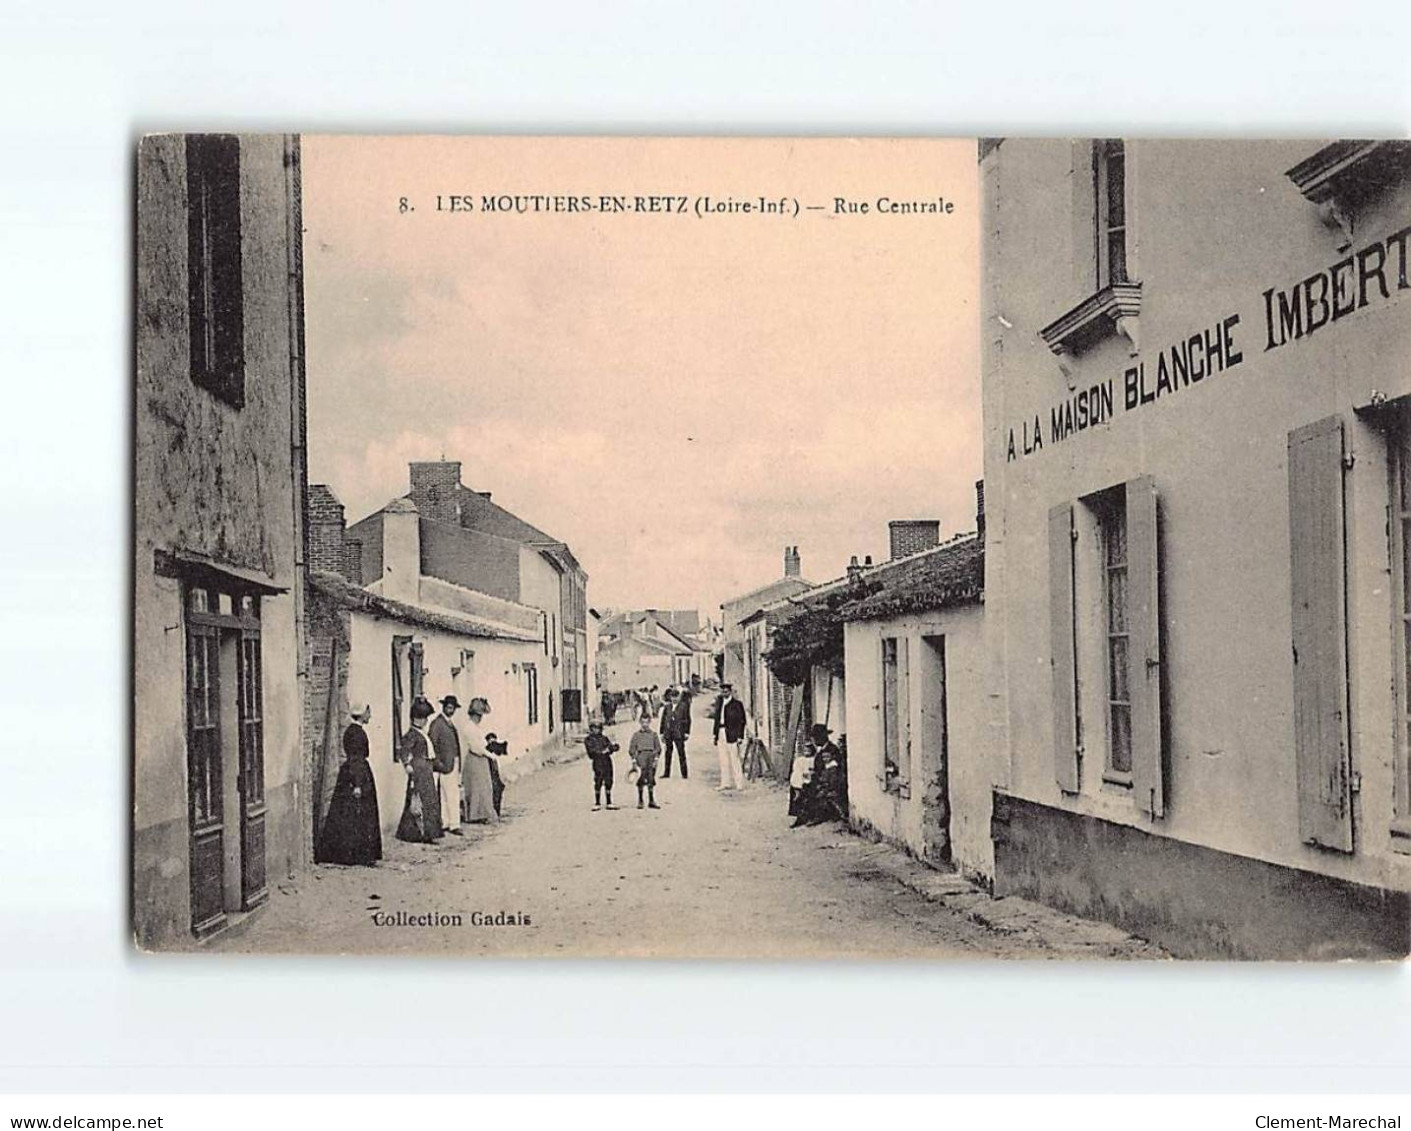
400	644
904	714
418	671
1060	588
1143	611
1317	567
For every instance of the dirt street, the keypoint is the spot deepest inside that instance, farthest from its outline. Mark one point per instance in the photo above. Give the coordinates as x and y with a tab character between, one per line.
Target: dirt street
709	875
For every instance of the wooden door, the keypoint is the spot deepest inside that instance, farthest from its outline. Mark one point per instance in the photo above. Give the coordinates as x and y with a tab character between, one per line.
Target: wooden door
204	785
254	888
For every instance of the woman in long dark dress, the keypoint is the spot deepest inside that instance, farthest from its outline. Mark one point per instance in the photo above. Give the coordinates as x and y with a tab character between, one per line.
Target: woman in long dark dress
421	815
351	831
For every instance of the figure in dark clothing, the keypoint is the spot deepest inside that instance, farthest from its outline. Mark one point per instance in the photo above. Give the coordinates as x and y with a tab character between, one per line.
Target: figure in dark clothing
600	751
498	749
351	832
821	796
675	729
421	814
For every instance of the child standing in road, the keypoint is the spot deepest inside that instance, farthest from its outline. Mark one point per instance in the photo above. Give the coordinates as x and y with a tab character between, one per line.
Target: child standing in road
644	750
600	750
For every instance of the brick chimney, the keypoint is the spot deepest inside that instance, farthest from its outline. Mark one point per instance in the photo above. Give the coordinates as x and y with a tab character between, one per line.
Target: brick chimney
793	567
912	535
980	508
326	528
436	489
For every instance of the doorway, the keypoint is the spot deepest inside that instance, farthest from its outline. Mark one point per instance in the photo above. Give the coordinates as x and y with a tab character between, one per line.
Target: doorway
225	772
935	751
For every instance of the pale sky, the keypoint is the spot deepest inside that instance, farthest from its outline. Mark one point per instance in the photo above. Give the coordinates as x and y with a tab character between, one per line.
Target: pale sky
676	398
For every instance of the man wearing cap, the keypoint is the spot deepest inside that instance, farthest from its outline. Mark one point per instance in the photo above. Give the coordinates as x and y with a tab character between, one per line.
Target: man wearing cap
447	745
476	759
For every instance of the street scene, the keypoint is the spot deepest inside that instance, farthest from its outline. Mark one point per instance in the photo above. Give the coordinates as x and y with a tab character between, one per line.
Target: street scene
709	874
767	548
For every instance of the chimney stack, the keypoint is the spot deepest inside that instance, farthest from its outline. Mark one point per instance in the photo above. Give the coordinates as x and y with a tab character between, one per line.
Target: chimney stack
401	551
326	529
980	508
436	488
912	535
793	567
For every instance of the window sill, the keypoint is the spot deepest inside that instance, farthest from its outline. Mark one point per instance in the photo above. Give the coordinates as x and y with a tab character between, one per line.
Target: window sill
1111	311
1401	835
1117	780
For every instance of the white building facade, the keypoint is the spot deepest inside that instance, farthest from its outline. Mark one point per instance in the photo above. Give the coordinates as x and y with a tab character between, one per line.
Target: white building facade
1196	448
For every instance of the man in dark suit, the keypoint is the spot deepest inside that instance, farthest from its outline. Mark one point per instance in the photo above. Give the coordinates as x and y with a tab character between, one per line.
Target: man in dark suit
446	750
676	728
731	719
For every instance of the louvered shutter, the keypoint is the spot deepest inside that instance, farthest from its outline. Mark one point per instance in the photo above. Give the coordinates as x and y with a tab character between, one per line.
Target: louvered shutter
1317	568
1060	587
1148	780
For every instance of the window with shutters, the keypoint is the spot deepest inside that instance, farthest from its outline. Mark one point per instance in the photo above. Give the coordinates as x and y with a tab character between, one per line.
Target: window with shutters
1106	642
1399	528
214	274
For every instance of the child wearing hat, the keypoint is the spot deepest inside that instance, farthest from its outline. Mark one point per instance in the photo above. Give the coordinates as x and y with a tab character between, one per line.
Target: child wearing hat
600	751
644	750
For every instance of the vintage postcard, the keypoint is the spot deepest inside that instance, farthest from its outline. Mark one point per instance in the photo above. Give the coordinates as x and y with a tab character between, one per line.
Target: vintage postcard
772	548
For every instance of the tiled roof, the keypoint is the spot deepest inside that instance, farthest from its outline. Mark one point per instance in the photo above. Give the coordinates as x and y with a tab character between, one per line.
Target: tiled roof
953	574
479	513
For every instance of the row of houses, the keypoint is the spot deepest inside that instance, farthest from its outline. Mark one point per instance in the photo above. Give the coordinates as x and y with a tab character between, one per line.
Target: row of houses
259	614
1166	681
654	648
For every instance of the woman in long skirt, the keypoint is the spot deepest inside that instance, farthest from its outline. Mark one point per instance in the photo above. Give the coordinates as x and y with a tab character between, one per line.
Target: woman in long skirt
421	815
351	831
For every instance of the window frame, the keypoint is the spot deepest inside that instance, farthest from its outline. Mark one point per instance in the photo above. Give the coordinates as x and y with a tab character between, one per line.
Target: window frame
215	272
1111	508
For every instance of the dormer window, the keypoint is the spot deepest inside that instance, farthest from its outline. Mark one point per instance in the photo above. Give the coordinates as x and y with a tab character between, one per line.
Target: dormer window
1110	214
1115	303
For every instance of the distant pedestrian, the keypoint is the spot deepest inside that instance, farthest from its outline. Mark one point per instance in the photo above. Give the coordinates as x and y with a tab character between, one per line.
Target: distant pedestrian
446	742
421	813
731	723
352	830
676	729
600	751
498	749
644	750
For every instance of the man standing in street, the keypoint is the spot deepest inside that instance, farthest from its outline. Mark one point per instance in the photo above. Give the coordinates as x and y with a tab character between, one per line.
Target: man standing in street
731	720
446	745
676	728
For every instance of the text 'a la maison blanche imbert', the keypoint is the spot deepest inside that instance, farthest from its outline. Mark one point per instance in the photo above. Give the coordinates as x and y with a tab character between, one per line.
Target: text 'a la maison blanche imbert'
670	204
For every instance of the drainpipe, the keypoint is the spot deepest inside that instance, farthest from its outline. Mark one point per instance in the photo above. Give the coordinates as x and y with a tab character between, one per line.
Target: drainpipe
298	462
